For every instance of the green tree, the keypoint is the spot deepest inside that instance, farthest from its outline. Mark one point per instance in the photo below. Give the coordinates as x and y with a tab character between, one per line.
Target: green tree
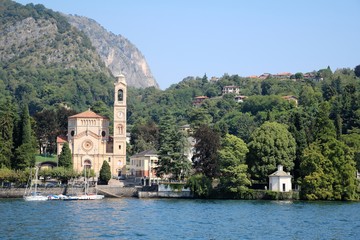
200	185
205	157
64	174
26	144
270	145
65	157
353	141
171	150
7	121
328	167
328	171
105	173
45	130
144	136
199	116
233	170
299	76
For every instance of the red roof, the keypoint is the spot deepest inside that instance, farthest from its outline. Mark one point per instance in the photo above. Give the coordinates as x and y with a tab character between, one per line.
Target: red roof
87	114
61	139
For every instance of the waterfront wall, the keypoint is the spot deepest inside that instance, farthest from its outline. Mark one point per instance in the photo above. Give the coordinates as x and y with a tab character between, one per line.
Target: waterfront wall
116	191
108	191
163	194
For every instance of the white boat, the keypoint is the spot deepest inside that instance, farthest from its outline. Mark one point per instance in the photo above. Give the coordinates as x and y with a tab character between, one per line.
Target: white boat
31	193
86	195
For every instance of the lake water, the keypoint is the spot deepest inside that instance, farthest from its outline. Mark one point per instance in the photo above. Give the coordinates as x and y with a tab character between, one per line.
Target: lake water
132	218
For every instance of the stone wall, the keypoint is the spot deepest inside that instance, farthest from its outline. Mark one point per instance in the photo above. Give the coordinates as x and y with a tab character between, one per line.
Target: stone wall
168	194
108	191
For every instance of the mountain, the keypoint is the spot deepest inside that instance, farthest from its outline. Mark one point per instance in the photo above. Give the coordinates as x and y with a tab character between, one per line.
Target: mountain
46	62
118	53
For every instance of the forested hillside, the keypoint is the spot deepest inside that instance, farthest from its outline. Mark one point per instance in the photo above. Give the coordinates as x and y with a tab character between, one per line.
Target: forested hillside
46	61
309	123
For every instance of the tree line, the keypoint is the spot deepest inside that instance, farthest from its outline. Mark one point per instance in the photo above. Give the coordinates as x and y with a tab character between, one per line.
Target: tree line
238	145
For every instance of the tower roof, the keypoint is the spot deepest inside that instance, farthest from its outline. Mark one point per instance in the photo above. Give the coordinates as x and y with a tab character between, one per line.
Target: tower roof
87	114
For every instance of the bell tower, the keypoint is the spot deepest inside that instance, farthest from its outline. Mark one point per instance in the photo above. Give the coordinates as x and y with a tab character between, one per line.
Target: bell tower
119	141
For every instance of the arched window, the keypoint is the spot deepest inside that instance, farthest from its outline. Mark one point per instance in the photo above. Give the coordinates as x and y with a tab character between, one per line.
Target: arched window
120	95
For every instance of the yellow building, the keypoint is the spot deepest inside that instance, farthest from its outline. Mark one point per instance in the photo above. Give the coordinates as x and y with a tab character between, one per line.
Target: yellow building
89	139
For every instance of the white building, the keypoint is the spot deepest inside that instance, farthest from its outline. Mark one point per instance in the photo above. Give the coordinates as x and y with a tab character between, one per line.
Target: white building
280	180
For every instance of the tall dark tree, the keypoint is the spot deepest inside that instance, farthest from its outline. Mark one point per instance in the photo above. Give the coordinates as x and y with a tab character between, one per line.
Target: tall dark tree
205	157
65	158
144	136
328	167
26	143
62	114
105	173
172	159
45	130
7	121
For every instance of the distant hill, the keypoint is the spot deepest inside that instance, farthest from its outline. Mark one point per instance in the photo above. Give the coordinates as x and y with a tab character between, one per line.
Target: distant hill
118	53
45	61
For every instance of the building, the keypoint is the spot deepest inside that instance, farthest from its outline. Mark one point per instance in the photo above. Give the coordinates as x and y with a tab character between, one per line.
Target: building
143	165
240	98
89	139
280	180
199	100
231	89
291	98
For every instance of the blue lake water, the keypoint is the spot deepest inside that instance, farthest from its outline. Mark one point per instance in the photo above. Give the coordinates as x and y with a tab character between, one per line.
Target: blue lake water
132	218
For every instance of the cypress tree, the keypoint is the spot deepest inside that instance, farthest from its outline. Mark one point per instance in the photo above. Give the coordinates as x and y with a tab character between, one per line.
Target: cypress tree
7	119
65	158
105	173
25	142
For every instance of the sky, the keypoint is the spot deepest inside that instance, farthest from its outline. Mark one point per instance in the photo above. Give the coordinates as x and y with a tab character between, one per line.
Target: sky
181	38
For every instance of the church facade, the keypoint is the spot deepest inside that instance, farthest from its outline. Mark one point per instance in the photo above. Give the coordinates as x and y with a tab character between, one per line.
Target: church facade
89	139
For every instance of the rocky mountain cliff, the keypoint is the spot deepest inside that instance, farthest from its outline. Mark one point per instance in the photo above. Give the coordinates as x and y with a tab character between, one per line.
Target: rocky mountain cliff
118	53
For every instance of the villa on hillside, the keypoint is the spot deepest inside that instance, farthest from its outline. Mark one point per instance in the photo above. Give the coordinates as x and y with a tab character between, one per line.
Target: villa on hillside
291	98
231	89
199	100
240	98
284	75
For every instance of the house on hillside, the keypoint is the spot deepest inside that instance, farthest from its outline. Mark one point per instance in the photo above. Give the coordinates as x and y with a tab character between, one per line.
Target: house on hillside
265	75
231	89
280	180
291	98
284	75
240	98
199	100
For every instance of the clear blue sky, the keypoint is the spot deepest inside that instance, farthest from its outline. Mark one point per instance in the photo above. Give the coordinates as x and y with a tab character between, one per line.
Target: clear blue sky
181	38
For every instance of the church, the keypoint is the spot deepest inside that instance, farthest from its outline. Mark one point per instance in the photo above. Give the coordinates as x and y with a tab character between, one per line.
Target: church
89	140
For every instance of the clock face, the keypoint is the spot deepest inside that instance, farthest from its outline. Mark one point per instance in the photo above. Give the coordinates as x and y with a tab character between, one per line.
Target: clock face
120	114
